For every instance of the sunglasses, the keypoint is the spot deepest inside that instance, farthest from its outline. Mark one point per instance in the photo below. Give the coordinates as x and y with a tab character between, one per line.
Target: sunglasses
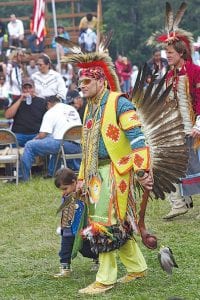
85	81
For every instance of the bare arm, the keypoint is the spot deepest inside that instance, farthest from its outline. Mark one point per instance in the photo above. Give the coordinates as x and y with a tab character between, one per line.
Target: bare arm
12	110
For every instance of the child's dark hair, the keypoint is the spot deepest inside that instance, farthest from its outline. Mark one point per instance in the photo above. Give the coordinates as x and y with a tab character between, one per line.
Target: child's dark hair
64	176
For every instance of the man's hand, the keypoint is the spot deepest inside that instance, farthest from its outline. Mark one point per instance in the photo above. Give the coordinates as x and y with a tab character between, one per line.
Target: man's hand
146	181
195	133
41	135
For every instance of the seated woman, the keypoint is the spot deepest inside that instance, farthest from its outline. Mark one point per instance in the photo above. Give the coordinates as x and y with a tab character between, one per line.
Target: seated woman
64	34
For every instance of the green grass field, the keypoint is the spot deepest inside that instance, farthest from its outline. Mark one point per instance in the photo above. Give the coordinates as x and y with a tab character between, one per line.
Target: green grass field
29	247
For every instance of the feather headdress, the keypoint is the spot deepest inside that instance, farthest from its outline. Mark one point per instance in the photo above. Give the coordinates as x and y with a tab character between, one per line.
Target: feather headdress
100	58
172	32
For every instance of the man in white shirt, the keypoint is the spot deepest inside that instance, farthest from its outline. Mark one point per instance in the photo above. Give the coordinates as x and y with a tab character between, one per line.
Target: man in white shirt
56	121
15	31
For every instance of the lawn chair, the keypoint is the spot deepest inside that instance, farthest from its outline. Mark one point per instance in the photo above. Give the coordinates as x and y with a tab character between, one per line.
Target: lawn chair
9	155
73	134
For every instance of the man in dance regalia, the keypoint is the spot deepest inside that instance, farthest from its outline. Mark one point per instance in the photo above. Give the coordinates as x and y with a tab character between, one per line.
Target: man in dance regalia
115	157
185	96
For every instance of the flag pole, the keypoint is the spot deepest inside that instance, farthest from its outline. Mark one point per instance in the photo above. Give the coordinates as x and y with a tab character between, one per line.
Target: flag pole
56	33
99	22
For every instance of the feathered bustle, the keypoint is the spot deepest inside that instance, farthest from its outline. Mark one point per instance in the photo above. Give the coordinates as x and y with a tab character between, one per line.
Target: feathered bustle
164	132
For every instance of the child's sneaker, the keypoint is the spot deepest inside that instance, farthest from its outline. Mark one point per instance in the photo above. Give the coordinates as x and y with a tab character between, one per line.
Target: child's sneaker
65	271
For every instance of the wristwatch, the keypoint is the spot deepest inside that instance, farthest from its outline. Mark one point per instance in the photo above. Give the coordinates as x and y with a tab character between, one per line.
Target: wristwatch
140	173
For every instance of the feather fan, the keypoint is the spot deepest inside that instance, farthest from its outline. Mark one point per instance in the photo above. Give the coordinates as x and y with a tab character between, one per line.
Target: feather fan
164	132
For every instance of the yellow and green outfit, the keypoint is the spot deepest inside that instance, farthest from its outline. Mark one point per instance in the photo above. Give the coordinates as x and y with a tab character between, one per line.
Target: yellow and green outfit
113	149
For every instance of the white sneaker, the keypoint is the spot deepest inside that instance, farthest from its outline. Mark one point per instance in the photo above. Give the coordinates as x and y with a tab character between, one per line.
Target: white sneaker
175	212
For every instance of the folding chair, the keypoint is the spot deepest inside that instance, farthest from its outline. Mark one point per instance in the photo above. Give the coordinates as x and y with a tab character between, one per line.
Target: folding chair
9	155
73	134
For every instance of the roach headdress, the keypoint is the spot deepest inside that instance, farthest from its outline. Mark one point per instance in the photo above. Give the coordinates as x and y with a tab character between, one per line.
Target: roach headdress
93	60
172	32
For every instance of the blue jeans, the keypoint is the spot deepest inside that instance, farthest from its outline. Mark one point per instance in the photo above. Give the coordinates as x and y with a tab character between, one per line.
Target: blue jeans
47	146
126	86
23	138
32	44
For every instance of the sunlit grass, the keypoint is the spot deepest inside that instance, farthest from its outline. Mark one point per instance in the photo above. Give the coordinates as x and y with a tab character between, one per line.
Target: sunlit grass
29	247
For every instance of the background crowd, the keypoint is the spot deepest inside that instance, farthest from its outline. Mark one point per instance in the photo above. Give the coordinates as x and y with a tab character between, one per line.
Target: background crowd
45	79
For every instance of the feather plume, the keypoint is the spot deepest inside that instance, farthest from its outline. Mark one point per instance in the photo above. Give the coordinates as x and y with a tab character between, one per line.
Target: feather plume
169	18
166	259
73	47
105	42
179	16
172	33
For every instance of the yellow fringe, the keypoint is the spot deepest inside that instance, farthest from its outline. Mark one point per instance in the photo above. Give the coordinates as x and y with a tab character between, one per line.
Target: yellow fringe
101	228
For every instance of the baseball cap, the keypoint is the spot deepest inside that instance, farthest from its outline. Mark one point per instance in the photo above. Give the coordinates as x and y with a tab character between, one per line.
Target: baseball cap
27	81
71	96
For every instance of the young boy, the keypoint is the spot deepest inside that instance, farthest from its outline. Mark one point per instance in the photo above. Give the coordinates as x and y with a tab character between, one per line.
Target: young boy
65	180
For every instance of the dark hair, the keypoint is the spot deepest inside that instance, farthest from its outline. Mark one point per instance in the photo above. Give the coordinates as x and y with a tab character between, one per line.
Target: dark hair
156	50
46	59
64	176
181	48
53	99
89	17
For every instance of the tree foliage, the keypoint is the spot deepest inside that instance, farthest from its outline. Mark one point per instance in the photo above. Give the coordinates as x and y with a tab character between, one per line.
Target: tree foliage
133	21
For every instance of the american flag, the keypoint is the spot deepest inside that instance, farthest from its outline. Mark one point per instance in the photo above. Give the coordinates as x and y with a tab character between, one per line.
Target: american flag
39	19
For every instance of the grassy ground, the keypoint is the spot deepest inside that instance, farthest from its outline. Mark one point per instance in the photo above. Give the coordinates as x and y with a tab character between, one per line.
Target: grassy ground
29	246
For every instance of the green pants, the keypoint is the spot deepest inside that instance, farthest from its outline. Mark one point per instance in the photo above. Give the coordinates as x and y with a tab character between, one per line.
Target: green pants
131	257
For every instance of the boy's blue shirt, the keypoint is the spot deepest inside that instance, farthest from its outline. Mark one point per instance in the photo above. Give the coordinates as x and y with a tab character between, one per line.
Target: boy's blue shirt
76	220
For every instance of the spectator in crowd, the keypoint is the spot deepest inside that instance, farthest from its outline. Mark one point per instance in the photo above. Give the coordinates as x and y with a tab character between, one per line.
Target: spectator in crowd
32	68
134	74
67	73
196	54
5	99
88	40
119	66
15	73
73	86
74	98
126	74
64	34
32	39
56	121
15	31
158	65
2	33
27	117
89	21
47	81
3	66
